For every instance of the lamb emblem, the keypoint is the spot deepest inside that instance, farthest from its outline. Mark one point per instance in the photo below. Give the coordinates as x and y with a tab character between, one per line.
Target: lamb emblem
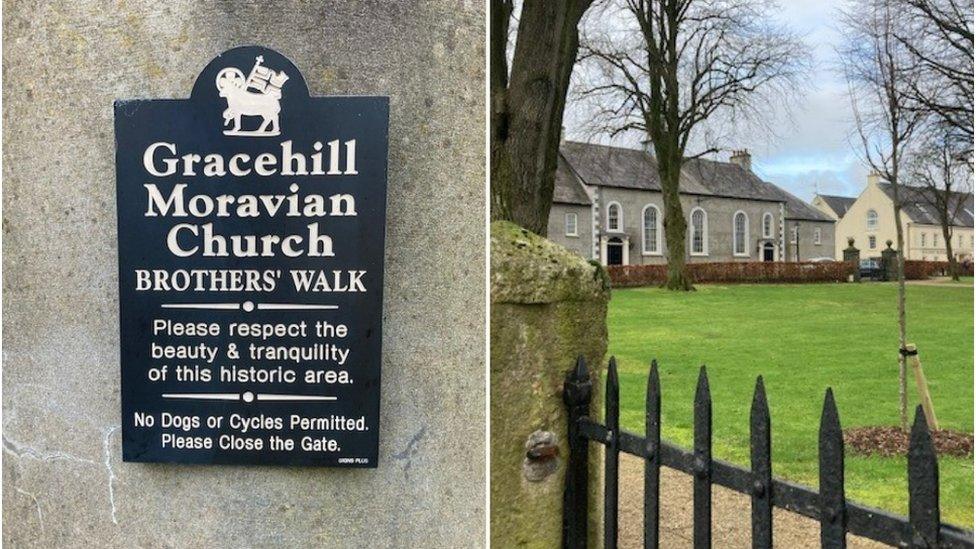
257	95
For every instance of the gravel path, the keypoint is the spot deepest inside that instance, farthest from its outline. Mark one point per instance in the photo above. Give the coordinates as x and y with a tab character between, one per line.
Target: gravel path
731	515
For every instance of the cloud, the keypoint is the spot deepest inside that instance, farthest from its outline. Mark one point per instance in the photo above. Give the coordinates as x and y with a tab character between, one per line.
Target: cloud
809	147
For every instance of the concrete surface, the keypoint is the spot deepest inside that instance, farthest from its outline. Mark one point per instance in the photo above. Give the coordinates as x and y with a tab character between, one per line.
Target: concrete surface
64	484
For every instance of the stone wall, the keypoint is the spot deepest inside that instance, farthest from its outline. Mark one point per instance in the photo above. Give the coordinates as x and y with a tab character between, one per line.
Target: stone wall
548	305
809	248
582	243
719	212
64	483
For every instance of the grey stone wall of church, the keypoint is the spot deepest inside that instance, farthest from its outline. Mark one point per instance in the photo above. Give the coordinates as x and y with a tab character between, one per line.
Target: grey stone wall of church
719	213
808	247
64	482
582	244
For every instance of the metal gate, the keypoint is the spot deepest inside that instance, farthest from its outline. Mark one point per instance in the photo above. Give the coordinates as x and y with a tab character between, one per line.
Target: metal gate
837	515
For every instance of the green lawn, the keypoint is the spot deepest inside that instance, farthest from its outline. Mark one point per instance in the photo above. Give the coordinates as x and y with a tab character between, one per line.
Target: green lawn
801	339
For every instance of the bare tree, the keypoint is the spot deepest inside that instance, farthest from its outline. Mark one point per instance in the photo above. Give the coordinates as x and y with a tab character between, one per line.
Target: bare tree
880	73
527	105
663	68
938	36
944	181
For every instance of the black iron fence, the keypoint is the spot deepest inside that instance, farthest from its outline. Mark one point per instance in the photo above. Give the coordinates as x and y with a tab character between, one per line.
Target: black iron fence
837	515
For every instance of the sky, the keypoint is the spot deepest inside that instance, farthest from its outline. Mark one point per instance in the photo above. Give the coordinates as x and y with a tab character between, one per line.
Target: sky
813	148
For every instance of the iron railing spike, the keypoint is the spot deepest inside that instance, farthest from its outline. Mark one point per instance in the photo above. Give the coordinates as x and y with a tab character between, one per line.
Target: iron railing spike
760	453
923	484
581	372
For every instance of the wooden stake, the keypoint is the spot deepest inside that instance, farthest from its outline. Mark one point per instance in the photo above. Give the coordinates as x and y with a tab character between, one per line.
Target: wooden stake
911	353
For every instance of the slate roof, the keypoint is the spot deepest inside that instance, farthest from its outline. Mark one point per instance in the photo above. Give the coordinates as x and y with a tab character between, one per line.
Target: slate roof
917	205
840	204
619	167
636	169
731	180
800	210
568	189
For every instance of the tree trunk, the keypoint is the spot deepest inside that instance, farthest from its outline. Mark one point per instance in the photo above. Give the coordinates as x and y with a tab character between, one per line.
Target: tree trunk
953	264
527	108
675	227
902	329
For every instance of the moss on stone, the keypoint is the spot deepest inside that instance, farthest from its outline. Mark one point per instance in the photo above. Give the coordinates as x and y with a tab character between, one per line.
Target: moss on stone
527	268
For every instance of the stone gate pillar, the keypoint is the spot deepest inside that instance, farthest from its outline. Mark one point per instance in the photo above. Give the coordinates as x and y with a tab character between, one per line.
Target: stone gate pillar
889	261
853	255
548	305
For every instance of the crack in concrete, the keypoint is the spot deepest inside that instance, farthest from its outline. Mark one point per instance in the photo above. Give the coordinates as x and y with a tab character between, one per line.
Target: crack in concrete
106	446
21	450
37	505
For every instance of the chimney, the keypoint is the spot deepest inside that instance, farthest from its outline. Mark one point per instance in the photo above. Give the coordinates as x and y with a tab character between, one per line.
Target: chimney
874	177
742	158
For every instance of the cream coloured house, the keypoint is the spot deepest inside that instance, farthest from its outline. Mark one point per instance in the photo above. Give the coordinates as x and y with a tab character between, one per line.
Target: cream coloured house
870	220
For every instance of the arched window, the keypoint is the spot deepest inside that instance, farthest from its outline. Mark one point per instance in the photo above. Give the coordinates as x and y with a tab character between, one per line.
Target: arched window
699	232
872	219
740	234
767	225
651	233
614	217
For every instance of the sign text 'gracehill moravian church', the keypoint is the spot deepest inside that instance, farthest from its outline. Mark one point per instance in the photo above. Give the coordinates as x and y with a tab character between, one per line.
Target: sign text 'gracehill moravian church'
251	222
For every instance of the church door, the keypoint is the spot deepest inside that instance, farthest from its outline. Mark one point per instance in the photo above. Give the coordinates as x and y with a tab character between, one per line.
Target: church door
615	252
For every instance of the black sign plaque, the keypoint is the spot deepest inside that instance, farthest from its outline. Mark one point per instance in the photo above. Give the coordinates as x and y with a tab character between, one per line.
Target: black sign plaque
251	221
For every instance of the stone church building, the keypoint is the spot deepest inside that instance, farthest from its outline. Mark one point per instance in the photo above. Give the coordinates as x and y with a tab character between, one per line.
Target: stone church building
608	206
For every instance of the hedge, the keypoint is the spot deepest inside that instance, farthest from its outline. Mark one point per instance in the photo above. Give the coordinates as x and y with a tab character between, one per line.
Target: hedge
752	271
771	272
918	270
